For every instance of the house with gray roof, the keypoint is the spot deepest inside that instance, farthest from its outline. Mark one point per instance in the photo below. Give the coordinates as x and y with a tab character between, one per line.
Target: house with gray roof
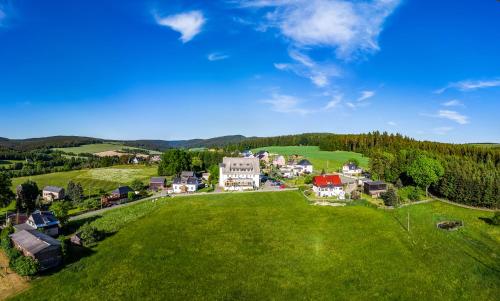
237	174
53	193
39	246
185	184
44	221
157	183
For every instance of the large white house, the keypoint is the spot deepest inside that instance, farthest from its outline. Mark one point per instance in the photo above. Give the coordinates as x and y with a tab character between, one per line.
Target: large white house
239	174
296	169
351	169
328	186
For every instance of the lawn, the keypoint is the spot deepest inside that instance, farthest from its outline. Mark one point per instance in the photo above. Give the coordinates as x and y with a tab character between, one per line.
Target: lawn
93	180
97	148
329	161
274	246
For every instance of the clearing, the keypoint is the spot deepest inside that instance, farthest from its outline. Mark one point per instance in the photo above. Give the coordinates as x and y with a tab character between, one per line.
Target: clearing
329	161
275	246
100	147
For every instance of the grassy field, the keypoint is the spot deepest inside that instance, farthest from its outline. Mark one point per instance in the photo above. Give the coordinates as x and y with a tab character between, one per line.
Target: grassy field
97	148
275	246
93	179
330	161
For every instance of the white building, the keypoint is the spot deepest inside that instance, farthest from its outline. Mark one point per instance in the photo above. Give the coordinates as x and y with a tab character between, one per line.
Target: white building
296	169
279	161
328	186
351	169
185	184
239	174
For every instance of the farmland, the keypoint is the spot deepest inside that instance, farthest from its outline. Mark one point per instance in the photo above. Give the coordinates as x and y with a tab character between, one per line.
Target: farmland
329	161
262	246
99	147
93	179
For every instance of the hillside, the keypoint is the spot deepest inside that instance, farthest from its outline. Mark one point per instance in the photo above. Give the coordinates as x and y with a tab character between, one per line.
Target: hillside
275	246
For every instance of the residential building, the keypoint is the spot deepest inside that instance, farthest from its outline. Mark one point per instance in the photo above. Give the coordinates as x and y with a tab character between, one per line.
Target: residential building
351	169
205	176
157	183
263	156
279	161
44	221
238	174
293	169
185	184
328	186
306	166
375	188
39	246
53	193
121	192
155	159
247	154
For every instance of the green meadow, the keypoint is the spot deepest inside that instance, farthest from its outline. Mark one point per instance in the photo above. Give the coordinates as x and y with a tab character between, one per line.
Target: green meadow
329	161
98	147
93	180
275	246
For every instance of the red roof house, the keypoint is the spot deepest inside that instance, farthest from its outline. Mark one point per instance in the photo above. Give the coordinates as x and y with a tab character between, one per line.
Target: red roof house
327	180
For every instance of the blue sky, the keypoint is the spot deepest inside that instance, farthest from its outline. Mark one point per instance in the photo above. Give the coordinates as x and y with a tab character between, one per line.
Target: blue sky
199	69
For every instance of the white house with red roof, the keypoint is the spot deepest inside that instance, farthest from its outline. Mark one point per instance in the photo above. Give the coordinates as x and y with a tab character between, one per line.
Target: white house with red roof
328	186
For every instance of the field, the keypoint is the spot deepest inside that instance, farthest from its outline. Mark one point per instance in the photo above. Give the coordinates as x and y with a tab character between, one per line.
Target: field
99	147
329	161
93	180
275	246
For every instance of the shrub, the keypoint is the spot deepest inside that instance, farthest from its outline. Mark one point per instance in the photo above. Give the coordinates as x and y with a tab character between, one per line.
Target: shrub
308	179
415	194
90	204
4	235
89	235
25	266
356	195
131	195
12	253
390	197
495	220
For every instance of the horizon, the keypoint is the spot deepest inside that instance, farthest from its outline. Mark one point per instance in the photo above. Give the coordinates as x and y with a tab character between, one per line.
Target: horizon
128	70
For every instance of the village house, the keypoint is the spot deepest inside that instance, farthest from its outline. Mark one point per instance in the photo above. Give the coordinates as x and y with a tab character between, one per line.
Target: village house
279	161
306	166
205	176
157	183
155	159
39	246
375	188
121	192
328	186
185	184
237	174
17	218
53	193
44	221
247	154
351	169
263	156
296	169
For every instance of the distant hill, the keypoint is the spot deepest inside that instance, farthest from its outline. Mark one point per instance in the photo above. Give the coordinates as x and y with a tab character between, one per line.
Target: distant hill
74	141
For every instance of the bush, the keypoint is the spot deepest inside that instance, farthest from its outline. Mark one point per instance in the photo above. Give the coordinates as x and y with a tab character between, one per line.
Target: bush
90	204
131	195
89	235
25	266
415	194
4	235
390	197
355	195
495	220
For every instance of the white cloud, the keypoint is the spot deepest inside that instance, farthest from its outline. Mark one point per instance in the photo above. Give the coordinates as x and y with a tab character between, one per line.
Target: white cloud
442	130
452	103
366	95
470	85
318	74
392	123
351	28
216	56
453	115
188	24
350	105
286	104
334	102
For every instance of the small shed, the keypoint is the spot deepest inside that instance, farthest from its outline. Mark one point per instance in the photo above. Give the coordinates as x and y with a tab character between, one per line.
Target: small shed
39	246
157	183
375	188
121	192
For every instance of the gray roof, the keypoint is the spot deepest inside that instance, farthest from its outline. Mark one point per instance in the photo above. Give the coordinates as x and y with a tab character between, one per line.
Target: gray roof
54	189
186	181
304	162
33	241
122	190
188	174
23	226
44	219
233	165
352	166
157	180
375	182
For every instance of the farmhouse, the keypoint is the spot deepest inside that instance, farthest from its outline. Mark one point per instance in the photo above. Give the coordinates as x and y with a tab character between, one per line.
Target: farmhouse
52	193
263	156
328	186
239	173
121	192
279	161
185	184
41	220
305	166
157	183
375	188
39	246
351	169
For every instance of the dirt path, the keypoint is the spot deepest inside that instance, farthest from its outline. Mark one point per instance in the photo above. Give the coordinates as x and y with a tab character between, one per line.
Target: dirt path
10	283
